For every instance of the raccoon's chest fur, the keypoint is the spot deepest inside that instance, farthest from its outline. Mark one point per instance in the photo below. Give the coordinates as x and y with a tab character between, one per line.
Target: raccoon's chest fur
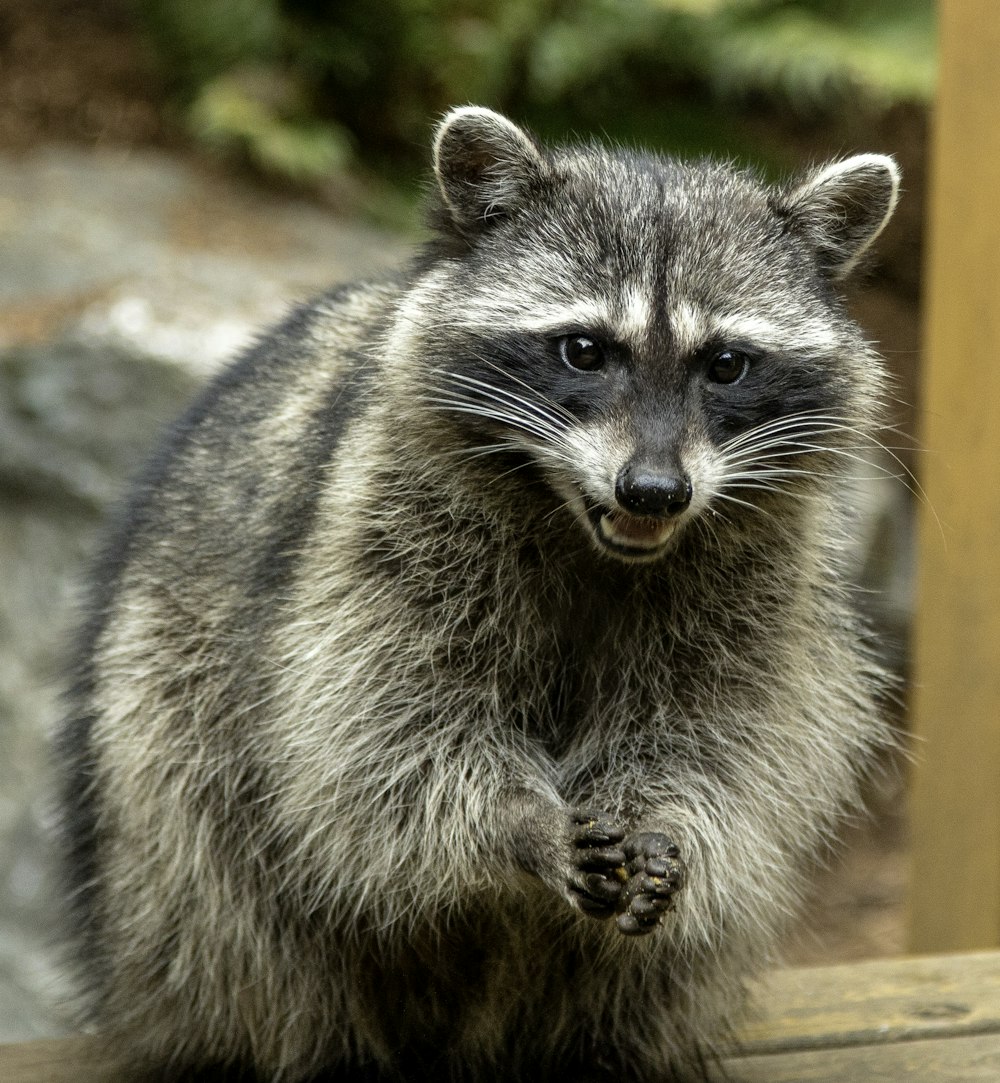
574	663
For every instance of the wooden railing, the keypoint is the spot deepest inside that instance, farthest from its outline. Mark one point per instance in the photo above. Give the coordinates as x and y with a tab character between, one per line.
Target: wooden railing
956	675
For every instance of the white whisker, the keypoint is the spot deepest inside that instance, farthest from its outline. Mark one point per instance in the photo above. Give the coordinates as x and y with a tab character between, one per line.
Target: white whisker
763	458
532	414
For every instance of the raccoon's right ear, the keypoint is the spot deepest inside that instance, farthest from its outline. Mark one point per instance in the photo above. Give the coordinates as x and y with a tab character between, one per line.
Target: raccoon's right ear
842	207
485	166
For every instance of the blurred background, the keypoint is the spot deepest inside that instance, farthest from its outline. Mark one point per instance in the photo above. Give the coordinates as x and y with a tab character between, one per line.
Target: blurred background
174	174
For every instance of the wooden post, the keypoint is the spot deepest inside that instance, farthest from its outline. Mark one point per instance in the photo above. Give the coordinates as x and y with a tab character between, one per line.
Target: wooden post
955	896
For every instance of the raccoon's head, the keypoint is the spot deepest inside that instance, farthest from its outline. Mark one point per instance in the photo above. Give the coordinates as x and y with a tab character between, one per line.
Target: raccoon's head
660	340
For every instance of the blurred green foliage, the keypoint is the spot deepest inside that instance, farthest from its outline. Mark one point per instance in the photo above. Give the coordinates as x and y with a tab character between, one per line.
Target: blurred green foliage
303	87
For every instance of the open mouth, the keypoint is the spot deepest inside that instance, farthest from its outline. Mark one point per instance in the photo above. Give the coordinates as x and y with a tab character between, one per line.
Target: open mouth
634	537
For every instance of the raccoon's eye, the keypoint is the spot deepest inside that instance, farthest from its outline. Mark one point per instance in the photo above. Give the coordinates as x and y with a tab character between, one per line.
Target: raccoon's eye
581	352
728	367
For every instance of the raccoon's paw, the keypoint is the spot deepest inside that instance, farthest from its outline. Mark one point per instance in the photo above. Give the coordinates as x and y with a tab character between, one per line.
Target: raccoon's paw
597	863
655	874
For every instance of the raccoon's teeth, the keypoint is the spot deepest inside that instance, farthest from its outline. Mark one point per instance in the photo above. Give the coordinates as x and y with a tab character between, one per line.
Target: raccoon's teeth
634	531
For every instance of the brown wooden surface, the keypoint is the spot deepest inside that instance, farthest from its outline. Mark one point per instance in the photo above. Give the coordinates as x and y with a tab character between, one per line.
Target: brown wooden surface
933	1019
975	1059
955	896
885	1000
66	1060
879	1002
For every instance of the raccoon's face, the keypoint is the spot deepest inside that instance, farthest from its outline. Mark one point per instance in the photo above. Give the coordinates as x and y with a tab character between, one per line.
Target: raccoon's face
658	340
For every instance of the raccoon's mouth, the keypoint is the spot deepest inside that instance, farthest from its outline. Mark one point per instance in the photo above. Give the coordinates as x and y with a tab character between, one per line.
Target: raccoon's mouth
633	537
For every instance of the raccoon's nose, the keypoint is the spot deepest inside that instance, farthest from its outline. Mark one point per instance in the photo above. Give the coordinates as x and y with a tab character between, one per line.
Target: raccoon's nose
642	491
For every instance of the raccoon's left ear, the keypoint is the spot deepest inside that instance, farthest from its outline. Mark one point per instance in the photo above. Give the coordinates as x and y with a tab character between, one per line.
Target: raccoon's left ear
485	166
842	207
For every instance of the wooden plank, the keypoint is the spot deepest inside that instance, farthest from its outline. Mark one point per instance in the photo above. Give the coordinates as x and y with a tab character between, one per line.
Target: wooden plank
955	894
975	1059
815	1023
62	1060
945	1060
886	1000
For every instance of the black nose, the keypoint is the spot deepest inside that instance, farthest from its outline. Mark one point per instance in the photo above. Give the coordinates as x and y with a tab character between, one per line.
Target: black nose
644	491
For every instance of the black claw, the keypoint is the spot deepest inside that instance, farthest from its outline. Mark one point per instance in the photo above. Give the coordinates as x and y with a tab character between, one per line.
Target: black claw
630	925
649	844
595	909
662	887
642	906
593	840
595	892
599	860
600	887
595	829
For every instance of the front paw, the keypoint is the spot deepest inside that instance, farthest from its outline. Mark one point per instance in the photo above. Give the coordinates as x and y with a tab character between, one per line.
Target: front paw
597	863
655	873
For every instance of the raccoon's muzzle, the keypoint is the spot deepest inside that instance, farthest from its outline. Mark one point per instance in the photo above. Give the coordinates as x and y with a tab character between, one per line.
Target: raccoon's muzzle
648	506
650	493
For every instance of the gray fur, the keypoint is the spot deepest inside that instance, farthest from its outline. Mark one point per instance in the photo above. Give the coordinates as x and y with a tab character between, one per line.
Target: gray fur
373	703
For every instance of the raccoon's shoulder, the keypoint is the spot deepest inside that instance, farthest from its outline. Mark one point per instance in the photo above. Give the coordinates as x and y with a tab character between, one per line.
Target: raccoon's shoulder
298	378
314	346
231	486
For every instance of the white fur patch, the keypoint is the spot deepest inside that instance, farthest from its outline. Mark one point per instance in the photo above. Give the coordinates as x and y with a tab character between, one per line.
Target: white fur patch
596	450
689	325
771	335
635	316
484	312
583	314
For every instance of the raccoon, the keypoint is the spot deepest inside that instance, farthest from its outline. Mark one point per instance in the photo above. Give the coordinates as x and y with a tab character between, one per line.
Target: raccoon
473	680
